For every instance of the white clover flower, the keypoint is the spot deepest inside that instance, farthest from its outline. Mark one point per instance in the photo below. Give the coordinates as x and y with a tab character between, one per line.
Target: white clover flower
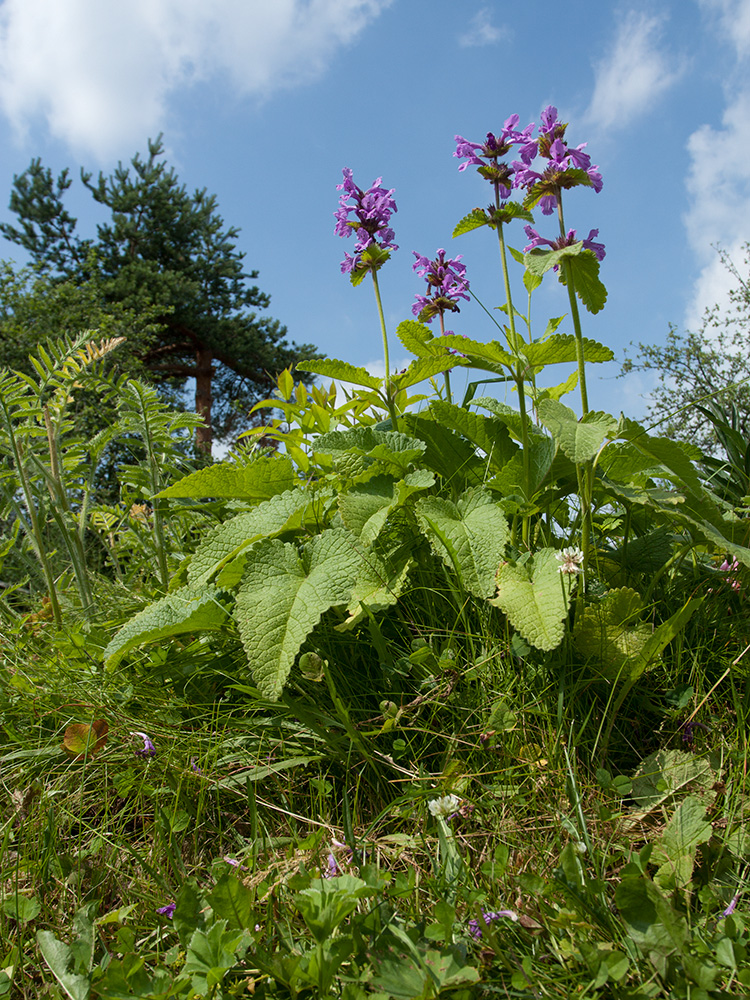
571	560
444	807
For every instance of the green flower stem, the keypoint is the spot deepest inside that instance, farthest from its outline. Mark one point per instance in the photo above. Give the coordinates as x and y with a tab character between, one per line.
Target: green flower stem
519	372
386	358
585	471
446	374
574	314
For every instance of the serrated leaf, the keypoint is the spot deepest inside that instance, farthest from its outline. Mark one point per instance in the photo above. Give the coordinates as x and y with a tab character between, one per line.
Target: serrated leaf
510	479
379	584
540	261
492	355
560	348
396	451
663	774
191	609
580	439
685	831
419	339
476	218
470	536
612	632
535	597
490	435
446	452
283	597
258	481
584	269
342	371
80	739
364	508
230	539
424	368
231	900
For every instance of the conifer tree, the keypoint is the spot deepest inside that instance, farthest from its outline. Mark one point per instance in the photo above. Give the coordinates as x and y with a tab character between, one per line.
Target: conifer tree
168	253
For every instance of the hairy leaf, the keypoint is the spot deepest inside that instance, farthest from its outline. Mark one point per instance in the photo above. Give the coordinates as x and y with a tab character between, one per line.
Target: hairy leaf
365	508
258	481
561	348
424	368
470	536
283	596
580	439
235	536
342	371
476	218
490	435
419	339
191	609
535	597
686	830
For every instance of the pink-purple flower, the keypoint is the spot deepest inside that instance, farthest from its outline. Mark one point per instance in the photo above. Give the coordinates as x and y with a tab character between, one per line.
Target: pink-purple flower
564	241
148	750
490	917
446	284
168	910
568	166
372	210
486	155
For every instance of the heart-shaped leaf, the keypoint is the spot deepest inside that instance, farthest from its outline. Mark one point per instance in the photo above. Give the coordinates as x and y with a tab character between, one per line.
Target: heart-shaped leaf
80	739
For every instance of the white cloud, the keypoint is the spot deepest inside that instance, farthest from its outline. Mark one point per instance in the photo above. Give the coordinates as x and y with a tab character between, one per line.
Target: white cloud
718	181
634	72
101	74
481	30
733	20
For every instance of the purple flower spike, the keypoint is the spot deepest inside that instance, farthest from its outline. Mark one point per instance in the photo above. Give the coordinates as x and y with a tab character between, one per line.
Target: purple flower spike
149	750
168	910
486	155
731	908
372	211
446	284
490	916
564	168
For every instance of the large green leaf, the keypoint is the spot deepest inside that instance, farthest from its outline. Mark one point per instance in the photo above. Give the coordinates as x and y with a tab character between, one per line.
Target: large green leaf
676	851
379	584
510	479
470	536
191	609
666	773
561	348
585	271
612	632
510	417
424	368
490	435
491	356
391	448
535	596
342	371
283	596
580	439
233	537
419	339
446	452
364	508
258	481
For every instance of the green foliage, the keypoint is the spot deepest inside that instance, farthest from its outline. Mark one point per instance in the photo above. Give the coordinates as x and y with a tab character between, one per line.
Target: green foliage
167	255
535	596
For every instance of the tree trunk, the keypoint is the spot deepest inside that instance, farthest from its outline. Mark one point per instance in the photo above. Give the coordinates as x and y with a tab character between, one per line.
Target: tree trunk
203	374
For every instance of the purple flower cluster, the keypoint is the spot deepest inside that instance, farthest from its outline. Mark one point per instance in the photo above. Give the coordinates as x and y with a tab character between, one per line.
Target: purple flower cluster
372	213
486	155
489	916
568	166
446	284
565	241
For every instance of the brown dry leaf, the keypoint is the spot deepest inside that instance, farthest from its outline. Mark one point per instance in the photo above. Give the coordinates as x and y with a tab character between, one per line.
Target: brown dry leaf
80	739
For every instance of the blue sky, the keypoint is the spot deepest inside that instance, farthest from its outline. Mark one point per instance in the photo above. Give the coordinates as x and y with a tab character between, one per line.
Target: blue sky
264	102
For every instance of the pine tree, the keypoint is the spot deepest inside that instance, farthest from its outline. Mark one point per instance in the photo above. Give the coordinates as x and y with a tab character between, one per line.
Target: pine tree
167	252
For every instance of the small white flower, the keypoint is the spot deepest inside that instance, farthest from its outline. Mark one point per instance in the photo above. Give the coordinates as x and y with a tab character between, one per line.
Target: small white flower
444	807
571	560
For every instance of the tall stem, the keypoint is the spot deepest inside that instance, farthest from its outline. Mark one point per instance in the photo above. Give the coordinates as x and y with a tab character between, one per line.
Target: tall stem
520	369
447	373
574	314
386	357
584	471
